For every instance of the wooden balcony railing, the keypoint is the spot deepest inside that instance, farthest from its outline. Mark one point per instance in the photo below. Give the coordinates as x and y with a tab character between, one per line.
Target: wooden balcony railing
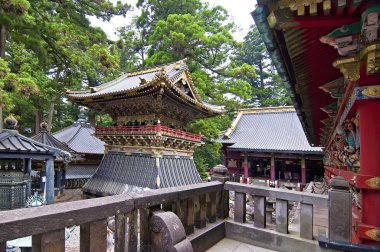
47	224
201	211
261	193
148	129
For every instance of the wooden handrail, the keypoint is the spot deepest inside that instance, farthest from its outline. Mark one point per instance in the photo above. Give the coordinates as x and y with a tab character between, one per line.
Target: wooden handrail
38	220
302	197
282	197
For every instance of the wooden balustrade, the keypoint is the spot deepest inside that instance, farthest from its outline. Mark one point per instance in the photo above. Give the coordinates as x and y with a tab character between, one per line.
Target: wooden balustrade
147	129
197	207
261	193
132	211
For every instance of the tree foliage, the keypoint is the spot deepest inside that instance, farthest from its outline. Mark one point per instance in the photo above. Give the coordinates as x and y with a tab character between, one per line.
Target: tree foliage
47	46
55	44
267	88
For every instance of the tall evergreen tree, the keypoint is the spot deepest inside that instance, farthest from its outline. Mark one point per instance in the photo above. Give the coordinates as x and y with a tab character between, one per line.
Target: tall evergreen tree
57	34
267	88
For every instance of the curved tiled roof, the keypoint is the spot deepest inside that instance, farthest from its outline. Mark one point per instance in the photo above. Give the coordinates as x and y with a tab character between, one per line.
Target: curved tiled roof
47	138
140	80
268	130
80	137
13	142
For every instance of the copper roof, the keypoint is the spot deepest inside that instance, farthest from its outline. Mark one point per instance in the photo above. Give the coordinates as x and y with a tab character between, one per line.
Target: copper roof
276	129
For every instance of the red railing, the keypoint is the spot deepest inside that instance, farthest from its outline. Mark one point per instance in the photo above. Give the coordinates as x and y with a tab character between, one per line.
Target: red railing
149	129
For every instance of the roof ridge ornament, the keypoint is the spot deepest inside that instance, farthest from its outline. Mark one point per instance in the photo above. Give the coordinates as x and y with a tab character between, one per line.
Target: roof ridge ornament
10	123
43	127
82	117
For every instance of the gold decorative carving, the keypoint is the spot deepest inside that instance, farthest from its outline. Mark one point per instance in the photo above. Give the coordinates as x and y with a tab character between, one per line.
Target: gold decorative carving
281	19
297	4
326	7
372	55
373	183
373	62
349	67
374	234
372	91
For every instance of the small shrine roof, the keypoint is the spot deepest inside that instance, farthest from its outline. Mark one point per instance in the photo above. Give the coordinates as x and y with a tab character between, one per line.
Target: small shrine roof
12	142
45	137
143	82
15	145
276	129
80	137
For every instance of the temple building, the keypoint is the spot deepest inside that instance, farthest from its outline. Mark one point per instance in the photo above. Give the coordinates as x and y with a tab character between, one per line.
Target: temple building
148	147
16	155
87	151
269	143
328	54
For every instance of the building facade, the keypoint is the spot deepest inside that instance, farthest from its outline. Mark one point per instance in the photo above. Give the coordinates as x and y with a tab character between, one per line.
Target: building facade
269	143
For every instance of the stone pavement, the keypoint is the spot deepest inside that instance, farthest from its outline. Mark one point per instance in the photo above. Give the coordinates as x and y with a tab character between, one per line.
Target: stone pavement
229	245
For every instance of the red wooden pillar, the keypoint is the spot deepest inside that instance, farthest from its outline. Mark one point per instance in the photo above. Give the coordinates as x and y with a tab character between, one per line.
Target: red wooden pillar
370	159
272	169
369	127
158	127
303	171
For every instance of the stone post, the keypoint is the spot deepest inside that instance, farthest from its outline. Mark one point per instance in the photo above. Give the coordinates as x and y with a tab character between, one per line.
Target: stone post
49	181
340	210
220	174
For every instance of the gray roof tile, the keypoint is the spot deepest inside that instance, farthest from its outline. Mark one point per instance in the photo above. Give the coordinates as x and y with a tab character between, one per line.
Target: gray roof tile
80	171
80	137
13	142
120	173
270	132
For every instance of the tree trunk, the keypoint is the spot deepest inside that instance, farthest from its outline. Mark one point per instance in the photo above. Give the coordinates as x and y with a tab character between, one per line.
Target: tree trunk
1	116
51	112
261	74
92	118
39	116
3	38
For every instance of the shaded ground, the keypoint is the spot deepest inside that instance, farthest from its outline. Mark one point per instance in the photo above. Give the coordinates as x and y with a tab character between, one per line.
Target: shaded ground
229	245
70	195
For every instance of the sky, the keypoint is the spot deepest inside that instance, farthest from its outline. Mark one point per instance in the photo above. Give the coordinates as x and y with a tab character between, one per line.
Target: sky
239	11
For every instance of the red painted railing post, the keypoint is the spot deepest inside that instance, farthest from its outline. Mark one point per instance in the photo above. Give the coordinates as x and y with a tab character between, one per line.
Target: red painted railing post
158	127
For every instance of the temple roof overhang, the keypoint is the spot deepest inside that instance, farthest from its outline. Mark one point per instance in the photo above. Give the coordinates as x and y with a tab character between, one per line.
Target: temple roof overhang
295	34
268	130
172	80
15	145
